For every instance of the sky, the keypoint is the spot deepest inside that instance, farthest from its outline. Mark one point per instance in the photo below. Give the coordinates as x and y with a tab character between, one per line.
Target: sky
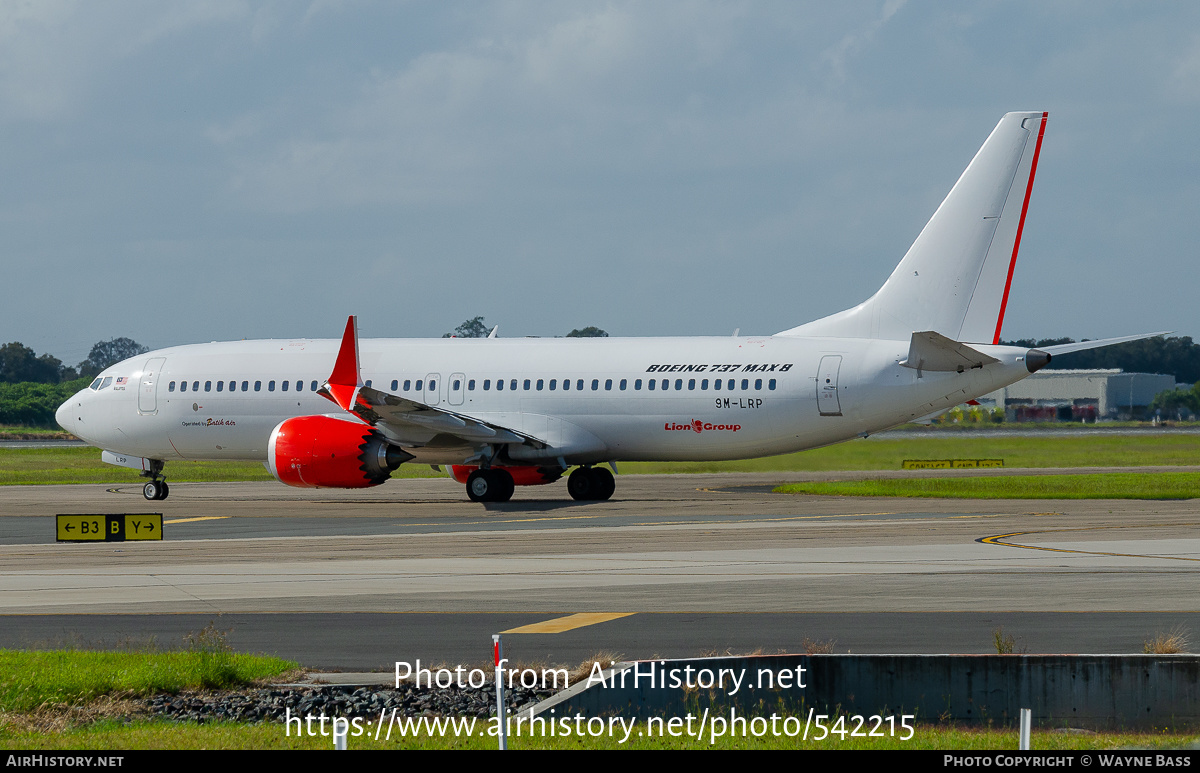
188	172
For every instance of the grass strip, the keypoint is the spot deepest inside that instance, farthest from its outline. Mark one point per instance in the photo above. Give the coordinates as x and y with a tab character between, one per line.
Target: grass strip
33	685
888	452
114	735
33	433
32	680
58	466
1116	485
25	466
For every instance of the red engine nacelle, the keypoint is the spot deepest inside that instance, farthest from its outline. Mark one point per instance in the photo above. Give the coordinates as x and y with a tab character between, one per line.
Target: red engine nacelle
324	452
522	476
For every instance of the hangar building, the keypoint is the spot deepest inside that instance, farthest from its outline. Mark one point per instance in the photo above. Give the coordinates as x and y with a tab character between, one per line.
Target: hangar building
1074	395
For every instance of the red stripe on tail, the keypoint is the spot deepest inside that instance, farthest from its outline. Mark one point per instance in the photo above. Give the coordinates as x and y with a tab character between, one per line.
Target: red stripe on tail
1012	263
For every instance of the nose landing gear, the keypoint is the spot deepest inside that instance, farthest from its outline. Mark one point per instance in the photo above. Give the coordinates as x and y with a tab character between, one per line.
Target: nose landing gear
157	489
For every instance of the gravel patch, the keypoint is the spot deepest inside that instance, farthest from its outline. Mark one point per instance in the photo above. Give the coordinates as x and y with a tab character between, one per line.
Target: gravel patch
275	704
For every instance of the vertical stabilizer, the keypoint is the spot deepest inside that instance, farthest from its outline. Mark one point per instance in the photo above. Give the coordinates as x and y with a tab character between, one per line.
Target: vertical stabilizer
955	278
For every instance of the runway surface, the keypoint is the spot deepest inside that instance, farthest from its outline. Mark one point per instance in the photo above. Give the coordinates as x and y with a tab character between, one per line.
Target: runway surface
695	563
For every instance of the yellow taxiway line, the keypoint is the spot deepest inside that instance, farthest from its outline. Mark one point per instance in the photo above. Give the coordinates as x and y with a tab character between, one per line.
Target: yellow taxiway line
569	623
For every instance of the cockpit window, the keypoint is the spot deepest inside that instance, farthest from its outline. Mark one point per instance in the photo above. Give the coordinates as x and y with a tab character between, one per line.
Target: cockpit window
95	384
106	382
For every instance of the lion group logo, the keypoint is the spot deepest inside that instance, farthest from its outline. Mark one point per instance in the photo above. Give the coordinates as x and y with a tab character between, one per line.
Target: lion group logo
699	426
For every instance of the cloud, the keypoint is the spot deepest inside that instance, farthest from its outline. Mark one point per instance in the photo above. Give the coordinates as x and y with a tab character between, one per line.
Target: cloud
1184	80
614	86
438	126
36	75
747	151
856	40
54	52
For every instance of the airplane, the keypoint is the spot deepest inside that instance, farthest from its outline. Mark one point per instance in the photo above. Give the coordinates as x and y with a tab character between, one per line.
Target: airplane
502	413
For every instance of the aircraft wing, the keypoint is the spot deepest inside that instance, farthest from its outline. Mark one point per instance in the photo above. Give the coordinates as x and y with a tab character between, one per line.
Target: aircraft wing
409	419
402	418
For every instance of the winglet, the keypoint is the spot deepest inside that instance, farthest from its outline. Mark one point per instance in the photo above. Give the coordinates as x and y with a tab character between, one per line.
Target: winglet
343	384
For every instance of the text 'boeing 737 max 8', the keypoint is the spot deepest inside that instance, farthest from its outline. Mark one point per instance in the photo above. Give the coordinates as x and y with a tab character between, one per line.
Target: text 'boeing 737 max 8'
505	413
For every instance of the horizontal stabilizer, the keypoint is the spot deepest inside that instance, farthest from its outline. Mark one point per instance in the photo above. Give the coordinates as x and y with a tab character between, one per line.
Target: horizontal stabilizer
933	351
1080	346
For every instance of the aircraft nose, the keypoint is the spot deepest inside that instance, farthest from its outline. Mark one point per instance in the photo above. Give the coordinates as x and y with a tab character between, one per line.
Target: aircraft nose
65	415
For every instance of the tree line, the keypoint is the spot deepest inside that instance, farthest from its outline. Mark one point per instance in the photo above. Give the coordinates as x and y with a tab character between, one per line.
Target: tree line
1177	402
20	364
32	386
1176	355
475	328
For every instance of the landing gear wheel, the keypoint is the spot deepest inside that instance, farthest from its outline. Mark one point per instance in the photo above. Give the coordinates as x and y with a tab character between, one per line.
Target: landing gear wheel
591	484
504	485
480	486
490	486
604	483
580	484
156	490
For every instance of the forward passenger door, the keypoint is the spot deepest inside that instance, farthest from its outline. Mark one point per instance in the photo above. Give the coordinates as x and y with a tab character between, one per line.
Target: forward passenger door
148	386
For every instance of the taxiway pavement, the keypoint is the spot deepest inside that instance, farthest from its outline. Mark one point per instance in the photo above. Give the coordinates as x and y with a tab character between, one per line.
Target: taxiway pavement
701	563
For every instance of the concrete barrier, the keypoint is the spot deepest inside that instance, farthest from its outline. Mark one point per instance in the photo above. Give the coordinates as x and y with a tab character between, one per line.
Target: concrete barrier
1085	691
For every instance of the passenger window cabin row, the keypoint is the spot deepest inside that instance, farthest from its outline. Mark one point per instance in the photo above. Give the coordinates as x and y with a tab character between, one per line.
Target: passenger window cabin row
500	385
581	385
232	386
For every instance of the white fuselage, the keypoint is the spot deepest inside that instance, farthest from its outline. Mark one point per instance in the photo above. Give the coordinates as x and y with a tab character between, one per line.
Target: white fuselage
723	398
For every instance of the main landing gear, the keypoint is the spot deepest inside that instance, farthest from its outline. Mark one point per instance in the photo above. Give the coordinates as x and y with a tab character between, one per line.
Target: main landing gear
496	484
490	486
591	483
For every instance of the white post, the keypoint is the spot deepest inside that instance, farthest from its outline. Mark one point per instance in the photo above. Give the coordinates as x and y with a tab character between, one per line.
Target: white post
340	731
498	655
1026	721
